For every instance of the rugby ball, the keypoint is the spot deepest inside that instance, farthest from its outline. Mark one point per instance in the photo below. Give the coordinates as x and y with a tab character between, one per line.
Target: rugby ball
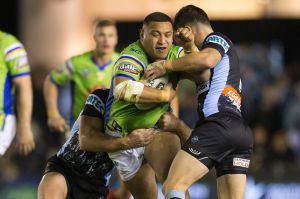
158	83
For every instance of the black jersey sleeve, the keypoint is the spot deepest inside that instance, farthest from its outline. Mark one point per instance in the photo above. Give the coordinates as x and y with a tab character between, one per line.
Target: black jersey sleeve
217	41
95	104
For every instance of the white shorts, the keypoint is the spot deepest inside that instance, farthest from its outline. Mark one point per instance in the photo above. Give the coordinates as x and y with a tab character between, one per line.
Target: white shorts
127	162
7	132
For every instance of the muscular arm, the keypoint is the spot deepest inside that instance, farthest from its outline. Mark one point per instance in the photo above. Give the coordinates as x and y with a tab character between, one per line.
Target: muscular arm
24	108
93	139
169	122
50	96
205	59
149	95
55	120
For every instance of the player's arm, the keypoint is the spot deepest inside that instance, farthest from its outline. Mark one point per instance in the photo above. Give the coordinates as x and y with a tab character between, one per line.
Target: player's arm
169	122
127	86
135	92
92	137
57	77
19	70
25	140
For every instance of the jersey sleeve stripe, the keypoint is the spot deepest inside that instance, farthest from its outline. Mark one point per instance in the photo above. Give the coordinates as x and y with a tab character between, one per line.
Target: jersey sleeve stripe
179	52
123	75
20	74
13	47
70	66
130	57
17	52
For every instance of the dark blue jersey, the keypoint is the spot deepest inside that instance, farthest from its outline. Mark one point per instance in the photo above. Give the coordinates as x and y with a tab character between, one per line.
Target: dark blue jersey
93	165
222	93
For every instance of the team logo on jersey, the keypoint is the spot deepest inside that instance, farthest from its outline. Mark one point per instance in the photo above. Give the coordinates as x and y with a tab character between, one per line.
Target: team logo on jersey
129	68
22	63
201	88
218	40
195	139
233	95
85	72
194	151
240	162
100	75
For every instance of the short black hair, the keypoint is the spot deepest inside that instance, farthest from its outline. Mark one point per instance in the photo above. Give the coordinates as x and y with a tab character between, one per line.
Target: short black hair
190	14
105	22
157	17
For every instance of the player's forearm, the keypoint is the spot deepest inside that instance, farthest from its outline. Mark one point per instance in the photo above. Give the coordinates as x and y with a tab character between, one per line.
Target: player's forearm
50	96
152	95
24	102
183	131
96	141
205	59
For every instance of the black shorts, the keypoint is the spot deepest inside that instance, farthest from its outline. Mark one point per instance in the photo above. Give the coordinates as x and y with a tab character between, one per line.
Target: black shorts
223	141
79	187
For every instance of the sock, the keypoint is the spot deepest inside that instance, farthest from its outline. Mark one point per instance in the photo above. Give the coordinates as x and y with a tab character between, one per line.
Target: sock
175	194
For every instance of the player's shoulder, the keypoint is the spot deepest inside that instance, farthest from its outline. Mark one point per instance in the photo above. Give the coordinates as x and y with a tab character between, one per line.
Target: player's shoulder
81	56
9	41
175	52
134	49
100	94
218	38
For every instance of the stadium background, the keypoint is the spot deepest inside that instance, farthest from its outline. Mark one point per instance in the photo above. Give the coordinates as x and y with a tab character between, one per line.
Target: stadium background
266	33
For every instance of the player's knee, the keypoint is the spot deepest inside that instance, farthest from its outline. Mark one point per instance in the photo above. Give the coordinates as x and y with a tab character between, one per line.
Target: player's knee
52	186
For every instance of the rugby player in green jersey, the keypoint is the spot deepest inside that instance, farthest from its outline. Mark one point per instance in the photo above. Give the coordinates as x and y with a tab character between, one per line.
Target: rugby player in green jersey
85	72
122	116
15	76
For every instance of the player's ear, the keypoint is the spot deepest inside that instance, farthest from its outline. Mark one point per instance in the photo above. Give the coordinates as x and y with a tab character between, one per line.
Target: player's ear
142	34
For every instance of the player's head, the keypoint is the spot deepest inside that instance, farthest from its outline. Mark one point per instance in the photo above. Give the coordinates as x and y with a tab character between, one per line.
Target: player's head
157	35
105	36
194	17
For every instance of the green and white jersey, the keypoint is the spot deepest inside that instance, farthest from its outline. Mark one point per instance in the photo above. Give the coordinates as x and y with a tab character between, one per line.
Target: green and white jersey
123	117
85	76
13	63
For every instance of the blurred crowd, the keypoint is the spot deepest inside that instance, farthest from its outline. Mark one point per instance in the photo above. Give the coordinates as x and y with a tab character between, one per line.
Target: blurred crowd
271	105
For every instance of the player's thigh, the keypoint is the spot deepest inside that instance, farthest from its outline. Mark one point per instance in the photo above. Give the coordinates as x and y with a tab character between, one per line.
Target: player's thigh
161	152
53	186
231	186
184	171
143	184
7	132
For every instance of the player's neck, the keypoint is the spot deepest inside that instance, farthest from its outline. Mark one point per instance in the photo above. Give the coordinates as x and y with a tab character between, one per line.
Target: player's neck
103	58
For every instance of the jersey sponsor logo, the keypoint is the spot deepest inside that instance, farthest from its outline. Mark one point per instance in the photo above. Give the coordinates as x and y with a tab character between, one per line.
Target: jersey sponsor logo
218	40
129	68
233	96
22	63
201	88
194	151
135	50
96	102
116	126
195	139
240	162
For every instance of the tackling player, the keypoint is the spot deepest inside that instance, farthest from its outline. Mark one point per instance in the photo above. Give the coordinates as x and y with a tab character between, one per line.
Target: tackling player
81	168
85	72
123	116
221	138
15	77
